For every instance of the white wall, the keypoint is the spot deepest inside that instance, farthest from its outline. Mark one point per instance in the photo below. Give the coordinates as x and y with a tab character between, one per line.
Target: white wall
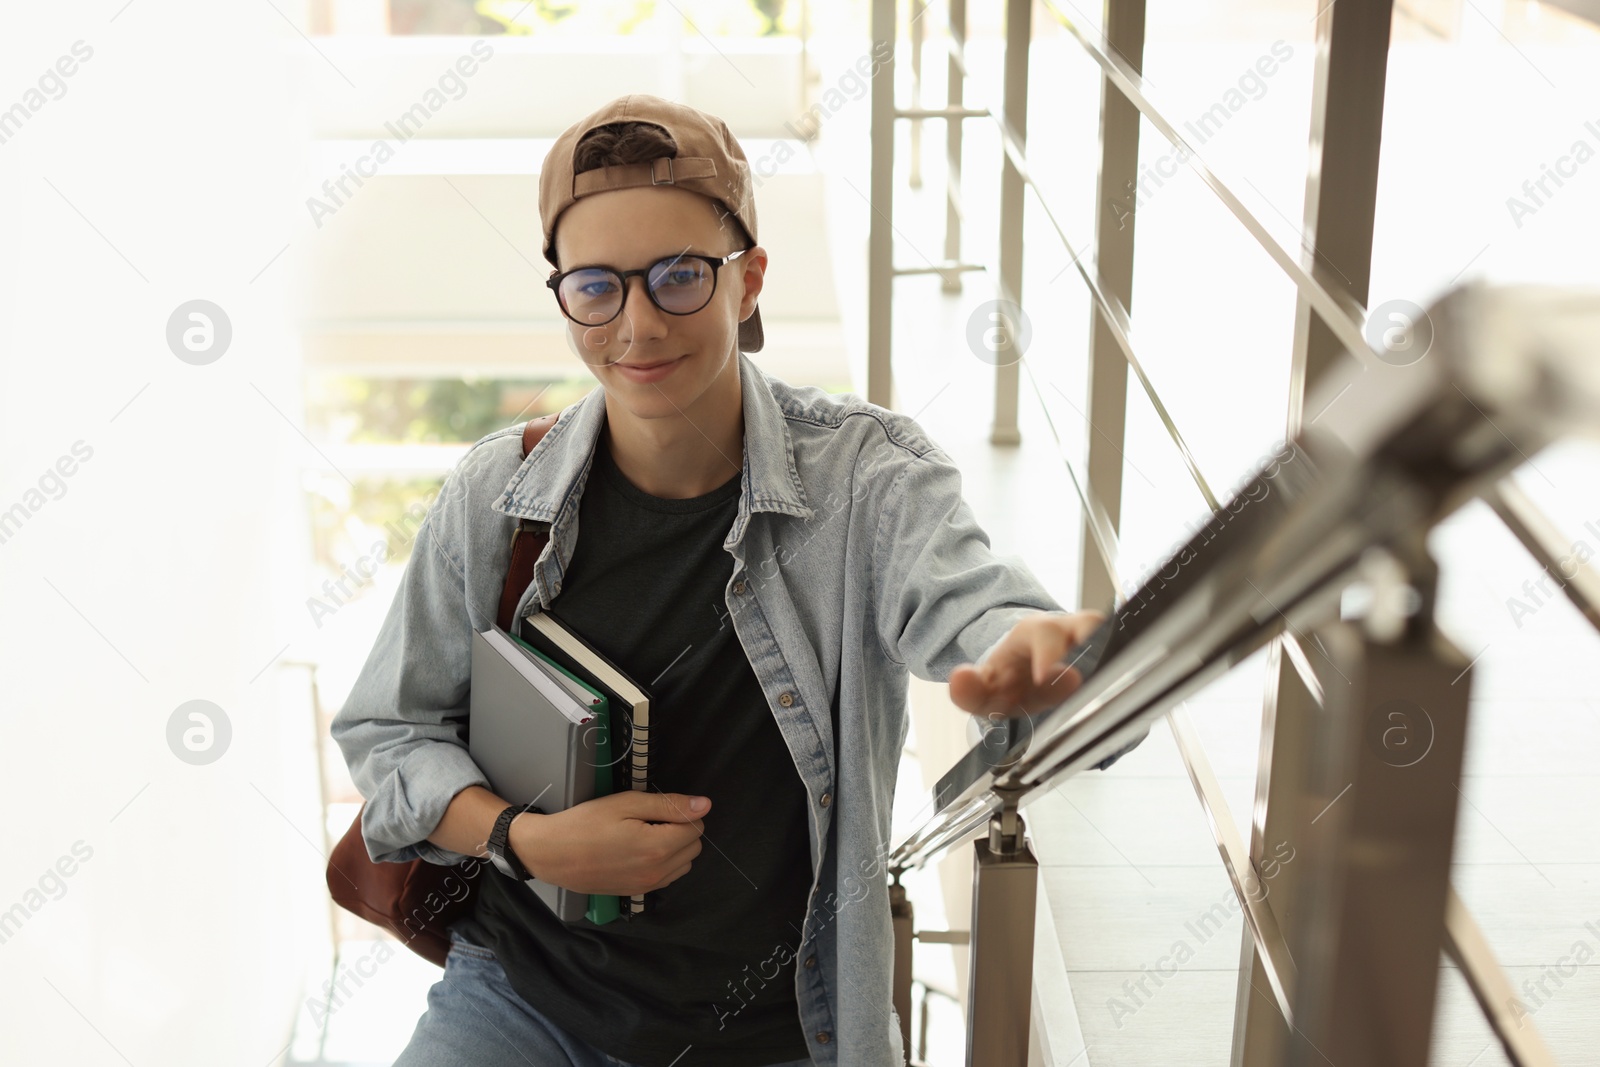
543	84
167	567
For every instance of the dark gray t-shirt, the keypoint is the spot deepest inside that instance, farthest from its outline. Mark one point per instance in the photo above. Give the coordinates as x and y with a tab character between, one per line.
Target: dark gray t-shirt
710	965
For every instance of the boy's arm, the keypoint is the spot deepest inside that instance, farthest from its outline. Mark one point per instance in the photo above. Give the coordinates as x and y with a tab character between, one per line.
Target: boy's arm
950	610
942	598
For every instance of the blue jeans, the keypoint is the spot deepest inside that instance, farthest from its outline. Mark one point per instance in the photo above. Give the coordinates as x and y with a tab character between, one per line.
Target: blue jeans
475	1019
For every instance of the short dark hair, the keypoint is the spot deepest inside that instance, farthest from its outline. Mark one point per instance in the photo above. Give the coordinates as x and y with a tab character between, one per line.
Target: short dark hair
621	143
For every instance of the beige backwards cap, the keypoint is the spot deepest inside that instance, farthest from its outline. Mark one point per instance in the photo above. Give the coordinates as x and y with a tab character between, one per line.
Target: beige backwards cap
709	162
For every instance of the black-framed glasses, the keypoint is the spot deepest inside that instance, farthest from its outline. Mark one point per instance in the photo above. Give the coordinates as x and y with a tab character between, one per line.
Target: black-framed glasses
679	285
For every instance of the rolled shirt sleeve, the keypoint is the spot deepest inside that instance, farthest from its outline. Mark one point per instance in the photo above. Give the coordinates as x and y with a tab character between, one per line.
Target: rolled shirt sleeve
942	597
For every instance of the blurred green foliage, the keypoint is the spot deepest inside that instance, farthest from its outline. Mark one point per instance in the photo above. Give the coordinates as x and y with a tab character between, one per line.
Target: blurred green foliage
346	519
432	410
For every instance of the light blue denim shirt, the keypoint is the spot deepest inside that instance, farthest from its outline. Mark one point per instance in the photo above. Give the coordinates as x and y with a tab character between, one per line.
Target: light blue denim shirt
856	560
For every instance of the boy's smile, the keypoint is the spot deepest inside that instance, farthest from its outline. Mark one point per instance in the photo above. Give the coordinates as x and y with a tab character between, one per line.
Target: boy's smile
653	372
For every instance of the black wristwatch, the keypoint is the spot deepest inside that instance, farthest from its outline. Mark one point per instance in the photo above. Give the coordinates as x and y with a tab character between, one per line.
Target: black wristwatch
501	854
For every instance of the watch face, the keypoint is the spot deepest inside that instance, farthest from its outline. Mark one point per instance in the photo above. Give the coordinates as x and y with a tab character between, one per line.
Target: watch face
501	865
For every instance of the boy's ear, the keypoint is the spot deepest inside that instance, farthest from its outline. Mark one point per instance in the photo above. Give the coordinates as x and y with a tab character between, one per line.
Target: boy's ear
754	263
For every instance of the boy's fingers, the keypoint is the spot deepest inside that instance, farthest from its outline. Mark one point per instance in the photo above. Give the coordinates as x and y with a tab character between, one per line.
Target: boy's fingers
1050	644
1029	669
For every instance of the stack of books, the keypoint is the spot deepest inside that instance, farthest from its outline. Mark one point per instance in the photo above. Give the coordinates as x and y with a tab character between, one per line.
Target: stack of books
555	723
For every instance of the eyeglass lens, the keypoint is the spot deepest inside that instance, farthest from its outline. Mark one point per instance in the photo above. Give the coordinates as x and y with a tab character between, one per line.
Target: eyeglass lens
679	286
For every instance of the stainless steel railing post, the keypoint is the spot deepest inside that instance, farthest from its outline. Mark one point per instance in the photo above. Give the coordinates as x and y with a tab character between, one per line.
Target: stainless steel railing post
1339	215
880	232
1005	878
1008	372
1385	759
1116	200
955	95
903	917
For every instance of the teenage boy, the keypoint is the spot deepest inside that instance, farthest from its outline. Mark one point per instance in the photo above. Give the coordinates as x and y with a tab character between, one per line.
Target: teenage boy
771	561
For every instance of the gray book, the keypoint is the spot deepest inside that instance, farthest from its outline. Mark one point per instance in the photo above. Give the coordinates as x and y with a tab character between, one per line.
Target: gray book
534	739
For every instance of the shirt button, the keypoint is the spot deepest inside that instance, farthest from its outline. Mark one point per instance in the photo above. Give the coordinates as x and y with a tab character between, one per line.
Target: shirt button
827	798
738	587
786	699
823	1037
811	962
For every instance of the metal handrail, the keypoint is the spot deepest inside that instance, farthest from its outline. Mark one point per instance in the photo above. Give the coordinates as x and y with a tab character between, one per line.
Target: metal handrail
1519	513
1115	314
1156	672
1544	542
1405	452
1465	944
1101	531
1321	543
1263	925
1260	918
1342	314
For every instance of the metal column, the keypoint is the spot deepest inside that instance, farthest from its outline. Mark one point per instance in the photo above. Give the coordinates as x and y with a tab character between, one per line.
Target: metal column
1341	174
1007	374
1115	199
956	82
918	9
1341	194
1005	879
880	232
1387	758
903	917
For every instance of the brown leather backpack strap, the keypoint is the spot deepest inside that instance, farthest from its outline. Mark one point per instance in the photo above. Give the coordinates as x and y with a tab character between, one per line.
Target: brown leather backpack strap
533	431
526	542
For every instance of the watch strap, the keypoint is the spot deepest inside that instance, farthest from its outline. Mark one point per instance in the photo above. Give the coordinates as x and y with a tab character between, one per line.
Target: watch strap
499	843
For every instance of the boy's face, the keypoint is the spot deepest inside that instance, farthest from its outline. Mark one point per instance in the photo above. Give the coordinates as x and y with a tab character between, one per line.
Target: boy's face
630	229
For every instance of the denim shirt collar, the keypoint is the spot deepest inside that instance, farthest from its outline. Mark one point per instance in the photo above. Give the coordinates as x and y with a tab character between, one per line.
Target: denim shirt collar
552	472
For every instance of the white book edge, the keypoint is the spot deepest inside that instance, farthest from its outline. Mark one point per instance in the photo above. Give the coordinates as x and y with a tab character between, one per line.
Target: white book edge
558	697
599	667
583	696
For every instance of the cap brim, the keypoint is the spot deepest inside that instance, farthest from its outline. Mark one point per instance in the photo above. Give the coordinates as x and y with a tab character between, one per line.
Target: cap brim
751	335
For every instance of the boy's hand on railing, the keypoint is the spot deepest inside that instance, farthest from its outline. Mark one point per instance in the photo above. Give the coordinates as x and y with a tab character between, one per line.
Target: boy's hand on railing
1024	672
